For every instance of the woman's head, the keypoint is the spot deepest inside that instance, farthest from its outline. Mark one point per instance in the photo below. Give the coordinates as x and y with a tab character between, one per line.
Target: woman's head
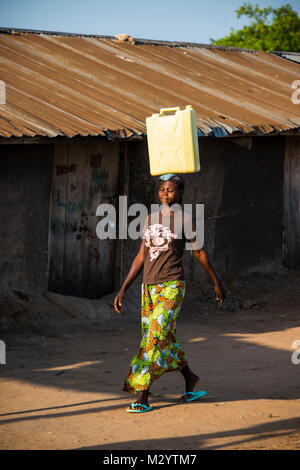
171	189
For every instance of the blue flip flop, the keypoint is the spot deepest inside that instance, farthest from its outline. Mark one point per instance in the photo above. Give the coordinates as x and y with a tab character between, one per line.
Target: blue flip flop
133	405
194	395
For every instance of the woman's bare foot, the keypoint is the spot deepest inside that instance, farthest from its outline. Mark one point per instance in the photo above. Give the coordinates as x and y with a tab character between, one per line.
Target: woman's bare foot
142	400
191	380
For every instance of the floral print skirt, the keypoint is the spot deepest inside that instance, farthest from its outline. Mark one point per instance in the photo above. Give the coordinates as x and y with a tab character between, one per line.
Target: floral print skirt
160	350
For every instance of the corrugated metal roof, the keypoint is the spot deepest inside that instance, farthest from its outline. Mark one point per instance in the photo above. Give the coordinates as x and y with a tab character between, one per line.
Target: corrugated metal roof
294	56
61	84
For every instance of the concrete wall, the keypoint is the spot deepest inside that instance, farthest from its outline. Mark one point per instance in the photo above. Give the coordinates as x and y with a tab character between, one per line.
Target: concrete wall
291	221
25	182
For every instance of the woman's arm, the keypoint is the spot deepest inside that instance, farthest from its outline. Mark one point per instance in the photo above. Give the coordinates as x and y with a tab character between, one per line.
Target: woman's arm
201	255
135	269
205	262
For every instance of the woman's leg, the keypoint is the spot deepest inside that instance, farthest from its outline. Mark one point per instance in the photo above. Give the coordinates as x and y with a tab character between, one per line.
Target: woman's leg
136	380
142	399
160	349
190	378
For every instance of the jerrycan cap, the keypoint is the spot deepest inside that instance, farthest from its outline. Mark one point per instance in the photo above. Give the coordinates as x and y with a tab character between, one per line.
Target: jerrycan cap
167	176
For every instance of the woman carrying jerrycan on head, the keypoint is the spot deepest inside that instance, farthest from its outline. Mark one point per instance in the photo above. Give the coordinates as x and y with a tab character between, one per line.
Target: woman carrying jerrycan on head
163	290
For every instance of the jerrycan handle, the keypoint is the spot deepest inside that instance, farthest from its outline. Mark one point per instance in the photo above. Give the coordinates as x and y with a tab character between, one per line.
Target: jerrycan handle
163	110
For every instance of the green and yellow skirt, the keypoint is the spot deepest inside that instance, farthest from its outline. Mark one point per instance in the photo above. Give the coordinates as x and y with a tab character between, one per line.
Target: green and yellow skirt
160	350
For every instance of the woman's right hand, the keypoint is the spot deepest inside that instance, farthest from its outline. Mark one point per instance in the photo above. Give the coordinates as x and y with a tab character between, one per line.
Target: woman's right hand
119	300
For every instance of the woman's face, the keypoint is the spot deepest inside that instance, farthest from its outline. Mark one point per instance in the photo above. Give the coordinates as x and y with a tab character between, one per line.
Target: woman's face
169	193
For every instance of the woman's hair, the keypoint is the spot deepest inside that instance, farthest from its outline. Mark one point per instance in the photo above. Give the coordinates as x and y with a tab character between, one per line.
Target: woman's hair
180	184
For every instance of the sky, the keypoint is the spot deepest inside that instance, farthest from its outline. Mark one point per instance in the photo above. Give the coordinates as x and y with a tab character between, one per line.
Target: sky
171	20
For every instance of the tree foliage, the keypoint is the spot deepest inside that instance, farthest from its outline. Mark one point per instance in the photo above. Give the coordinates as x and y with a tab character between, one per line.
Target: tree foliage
270	29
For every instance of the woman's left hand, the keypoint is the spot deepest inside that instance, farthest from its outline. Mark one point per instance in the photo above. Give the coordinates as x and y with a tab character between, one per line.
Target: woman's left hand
220	292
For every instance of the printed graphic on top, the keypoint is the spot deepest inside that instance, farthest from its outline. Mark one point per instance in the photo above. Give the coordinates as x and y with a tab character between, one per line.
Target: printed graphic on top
158	238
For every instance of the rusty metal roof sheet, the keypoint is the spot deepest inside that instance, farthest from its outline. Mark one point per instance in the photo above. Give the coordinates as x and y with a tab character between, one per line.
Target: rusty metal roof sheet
61	84
294	56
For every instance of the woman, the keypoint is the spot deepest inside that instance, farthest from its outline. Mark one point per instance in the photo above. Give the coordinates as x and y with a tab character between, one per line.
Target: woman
163	290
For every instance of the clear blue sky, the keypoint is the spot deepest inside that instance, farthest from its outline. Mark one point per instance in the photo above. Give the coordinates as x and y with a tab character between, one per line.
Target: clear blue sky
178	20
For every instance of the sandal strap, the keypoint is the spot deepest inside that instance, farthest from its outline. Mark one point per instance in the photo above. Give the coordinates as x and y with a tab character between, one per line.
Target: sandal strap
139	404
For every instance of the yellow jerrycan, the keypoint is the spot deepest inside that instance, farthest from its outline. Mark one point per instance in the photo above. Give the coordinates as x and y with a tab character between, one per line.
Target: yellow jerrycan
172	141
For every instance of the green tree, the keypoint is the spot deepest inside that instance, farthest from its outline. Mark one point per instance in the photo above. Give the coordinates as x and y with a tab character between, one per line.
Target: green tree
270	29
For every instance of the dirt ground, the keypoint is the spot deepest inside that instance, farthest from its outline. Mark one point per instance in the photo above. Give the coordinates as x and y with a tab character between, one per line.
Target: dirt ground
67	358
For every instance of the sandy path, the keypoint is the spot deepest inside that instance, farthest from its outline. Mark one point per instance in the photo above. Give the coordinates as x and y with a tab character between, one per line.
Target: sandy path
65	392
